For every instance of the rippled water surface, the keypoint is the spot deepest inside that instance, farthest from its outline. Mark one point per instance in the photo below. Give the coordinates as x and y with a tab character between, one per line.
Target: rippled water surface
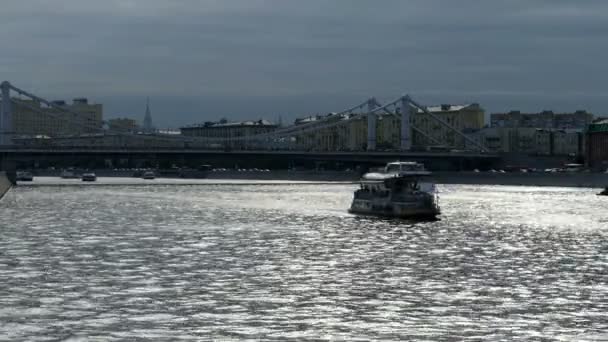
287	262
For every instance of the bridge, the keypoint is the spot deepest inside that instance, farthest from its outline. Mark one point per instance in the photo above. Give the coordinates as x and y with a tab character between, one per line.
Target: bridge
294	144
26	157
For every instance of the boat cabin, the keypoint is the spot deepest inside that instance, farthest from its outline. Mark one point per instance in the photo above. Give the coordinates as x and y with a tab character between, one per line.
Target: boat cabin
394	185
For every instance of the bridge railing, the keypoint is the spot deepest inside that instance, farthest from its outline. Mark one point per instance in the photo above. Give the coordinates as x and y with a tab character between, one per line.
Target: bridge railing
153	150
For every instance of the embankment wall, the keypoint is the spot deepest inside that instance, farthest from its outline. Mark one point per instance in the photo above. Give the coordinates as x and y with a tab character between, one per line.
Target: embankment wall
5	184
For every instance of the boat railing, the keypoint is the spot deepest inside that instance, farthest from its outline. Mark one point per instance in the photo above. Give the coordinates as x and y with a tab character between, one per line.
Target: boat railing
415	195
368	195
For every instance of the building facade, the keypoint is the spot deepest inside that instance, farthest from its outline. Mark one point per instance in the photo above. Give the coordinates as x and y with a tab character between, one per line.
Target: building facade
110	140
348	132
321	133
597	145
388	132
30	118
546	119
531	141
568	142
123	125
229	134
463	118
552	133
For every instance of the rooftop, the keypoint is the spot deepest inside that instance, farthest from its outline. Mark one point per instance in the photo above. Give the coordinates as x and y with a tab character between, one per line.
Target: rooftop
448	107
599	126
220	124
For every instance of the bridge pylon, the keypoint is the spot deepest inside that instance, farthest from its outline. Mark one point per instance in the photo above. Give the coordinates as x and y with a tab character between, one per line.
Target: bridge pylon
406	124
6	114
371	124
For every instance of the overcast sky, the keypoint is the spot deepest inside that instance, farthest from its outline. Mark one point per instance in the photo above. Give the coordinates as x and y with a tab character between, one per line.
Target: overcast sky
206	59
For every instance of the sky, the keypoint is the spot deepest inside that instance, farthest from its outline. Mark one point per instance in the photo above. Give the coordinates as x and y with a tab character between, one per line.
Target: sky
202	60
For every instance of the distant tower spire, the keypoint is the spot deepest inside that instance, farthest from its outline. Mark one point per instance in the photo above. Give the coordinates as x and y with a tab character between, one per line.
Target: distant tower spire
148	127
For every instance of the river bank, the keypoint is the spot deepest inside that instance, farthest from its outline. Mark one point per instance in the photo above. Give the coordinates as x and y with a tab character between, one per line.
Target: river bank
591	180
587	180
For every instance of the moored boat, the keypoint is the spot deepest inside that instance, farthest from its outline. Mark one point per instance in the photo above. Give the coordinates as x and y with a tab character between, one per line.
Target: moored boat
148	175
68	174
89	177
24	176
402	190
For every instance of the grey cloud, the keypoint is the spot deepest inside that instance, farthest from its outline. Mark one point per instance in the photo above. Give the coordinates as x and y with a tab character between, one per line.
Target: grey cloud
202	60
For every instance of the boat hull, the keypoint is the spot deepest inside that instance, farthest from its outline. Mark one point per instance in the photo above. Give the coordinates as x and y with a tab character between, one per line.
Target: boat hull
394	209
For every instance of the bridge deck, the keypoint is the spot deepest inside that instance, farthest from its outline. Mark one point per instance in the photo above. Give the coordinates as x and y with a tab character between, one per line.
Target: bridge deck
110	150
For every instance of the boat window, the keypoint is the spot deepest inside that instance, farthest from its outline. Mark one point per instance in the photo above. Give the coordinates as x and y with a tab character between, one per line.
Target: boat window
407	167
392	168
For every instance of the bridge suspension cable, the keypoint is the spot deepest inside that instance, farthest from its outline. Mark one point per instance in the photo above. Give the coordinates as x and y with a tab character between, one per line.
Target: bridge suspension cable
415	105
445	124
413	127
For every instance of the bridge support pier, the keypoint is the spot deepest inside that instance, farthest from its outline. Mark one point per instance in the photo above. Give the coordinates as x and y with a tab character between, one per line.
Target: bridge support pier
406	129
9	167
371	125
6	115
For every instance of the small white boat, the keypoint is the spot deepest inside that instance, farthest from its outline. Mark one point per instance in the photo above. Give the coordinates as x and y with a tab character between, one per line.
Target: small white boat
89	177
148	175
68	174
402	191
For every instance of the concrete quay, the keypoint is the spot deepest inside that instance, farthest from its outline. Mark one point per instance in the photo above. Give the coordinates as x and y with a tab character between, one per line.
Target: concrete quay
5	184
588	180
582	179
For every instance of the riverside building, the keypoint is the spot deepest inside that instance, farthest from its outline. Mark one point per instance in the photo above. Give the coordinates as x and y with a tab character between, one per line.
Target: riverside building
464	118
531	141
597	145
542	133
545	119
124	125
30	117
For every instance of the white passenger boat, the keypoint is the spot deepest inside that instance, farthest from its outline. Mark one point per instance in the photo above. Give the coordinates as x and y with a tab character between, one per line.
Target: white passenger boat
402	190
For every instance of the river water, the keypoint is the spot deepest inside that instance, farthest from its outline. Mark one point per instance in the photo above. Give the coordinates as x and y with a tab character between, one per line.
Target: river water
287	262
